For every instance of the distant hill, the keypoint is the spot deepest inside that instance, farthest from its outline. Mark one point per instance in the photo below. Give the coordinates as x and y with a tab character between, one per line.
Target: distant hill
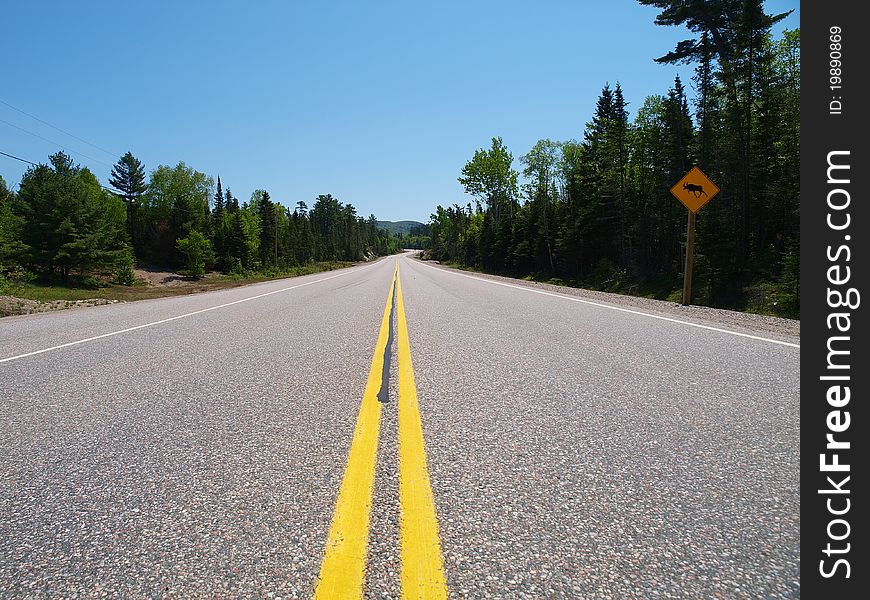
399	226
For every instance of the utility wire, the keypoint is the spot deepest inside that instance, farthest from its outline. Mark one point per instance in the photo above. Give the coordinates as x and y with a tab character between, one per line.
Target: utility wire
58	128
55	143
108	189
30	162
24	160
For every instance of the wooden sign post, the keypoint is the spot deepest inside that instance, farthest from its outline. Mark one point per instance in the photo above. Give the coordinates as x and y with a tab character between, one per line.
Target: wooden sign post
690	251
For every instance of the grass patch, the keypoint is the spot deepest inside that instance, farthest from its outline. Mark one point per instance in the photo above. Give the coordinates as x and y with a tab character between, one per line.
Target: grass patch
256	276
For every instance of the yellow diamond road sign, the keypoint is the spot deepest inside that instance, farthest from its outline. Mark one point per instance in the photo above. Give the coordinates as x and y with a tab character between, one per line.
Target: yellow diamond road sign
695	189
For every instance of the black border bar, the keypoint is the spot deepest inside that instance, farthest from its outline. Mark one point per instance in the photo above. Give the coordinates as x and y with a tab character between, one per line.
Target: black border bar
835	225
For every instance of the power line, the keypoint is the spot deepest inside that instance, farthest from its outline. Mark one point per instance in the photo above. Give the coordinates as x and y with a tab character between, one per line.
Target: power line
108	189
55	143
57	128
24	160
30	162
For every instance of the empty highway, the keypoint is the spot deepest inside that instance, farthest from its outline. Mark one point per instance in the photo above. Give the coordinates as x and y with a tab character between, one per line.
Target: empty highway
519	443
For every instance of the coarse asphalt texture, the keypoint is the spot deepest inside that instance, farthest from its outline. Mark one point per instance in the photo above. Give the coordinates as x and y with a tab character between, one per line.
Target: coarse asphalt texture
574	451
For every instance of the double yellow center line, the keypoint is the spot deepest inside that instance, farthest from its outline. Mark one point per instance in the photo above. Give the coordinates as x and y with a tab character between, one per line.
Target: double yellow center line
342	573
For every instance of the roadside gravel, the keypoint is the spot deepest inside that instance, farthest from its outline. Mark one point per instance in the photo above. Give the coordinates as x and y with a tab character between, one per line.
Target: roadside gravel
10	305
776	327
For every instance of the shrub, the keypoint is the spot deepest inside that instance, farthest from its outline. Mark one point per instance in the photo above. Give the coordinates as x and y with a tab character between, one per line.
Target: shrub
198	251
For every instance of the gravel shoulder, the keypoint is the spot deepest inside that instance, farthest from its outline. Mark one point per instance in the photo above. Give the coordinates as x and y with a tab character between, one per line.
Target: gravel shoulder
11	305
775	327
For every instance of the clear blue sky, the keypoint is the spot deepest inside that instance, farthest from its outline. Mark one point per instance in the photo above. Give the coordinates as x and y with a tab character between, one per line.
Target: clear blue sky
378	103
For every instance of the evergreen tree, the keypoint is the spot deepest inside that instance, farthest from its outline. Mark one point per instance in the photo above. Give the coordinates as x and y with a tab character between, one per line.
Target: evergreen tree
128	177
618	133
237	245
678	123
218	227
12	249
304	246
268	217
603	155
71	224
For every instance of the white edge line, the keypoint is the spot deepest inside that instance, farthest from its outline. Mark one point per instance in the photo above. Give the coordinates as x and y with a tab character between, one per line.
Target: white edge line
190	314
611	307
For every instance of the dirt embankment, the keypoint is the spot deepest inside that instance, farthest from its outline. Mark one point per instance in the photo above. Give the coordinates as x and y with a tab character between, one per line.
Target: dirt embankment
154	277
152	283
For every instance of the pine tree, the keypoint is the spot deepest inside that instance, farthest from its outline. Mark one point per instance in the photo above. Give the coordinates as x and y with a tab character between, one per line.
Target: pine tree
703	81
619	136
128	177
71	224
304	246
679	131
12	249
218	222
266	210
603	154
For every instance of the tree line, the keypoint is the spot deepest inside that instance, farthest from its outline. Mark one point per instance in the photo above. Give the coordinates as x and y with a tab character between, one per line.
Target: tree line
62	222
598	211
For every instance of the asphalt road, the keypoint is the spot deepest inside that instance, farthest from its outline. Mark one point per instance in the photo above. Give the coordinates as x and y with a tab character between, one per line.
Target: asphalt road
195	446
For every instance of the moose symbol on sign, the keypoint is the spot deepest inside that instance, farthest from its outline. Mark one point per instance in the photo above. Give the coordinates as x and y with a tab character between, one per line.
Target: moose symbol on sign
697	190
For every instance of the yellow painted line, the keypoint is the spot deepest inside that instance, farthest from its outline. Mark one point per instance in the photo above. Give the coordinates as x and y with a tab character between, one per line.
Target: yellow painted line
422	565
342	573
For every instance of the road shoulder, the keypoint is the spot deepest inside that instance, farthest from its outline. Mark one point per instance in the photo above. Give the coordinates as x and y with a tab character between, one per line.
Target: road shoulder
774	327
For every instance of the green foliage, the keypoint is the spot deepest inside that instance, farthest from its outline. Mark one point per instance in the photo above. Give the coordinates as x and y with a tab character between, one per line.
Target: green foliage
128	177
198	252
610	277
124	274
13	278
412	228
416	242
488	176
12	248
725	21
65	225
176	203
599	212
267	216
70	224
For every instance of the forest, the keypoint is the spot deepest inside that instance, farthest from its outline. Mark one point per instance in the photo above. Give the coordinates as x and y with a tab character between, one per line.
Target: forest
597	212
62	225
